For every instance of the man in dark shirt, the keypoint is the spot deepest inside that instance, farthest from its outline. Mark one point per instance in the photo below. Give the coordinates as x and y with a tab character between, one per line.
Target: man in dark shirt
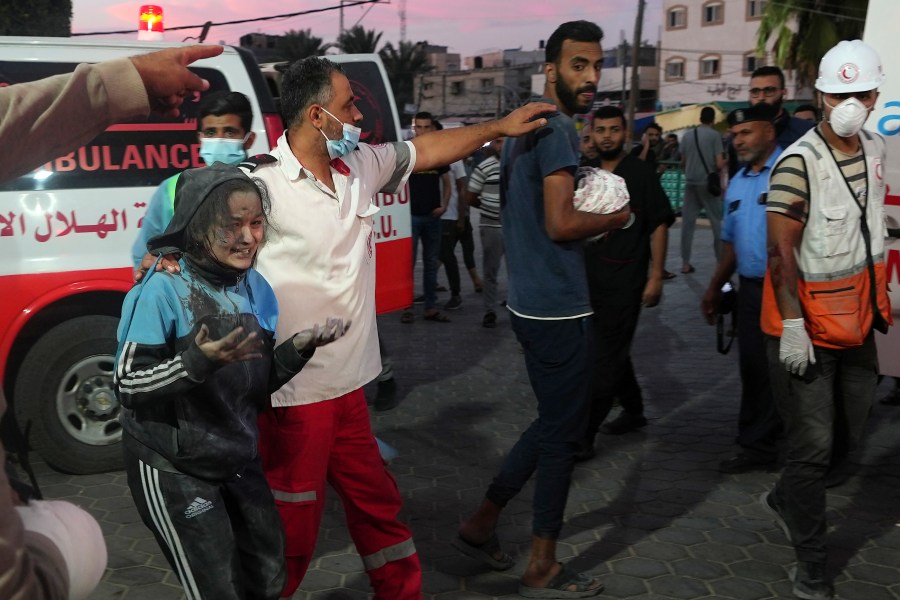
767	85
427	202
651	147
618	280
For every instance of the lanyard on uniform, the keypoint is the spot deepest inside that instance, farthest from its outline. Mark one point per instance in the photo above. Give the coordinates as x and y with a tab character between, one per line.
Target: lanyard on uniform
878	321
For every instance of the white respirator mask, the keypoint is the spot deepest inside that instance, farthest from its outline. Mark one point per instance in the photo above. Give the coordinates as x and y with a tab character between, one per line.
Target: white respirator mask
848	117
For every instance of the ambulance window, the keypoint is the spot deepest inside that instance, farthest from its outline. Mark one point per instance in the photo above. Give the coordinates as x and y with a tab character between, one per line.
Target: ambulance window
138	153
372	101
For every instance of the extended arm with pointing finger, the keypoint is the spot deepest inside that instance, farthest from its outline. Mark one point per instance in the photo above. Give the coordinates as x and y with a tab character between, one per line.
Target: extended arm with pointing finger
45	119
440	148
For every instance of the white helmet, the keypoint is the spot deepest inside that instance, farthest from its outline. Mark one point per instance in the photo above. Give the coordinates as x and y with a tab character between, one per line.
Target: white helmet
850	67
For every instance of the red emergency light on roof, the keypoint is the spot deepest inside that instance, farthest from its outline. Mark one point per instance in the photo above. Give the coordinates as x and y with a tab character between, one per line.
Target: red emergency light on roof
150	25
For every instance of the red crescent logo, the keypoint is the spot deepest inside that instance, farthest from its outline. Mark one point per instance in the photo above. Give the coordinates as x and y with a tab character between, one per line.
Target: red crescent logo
848	73
878	174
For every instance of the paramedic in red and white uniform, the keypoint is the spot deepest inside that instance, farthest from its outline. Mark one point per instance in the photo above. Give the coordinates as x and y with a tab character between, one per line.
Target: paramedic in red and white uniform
320	259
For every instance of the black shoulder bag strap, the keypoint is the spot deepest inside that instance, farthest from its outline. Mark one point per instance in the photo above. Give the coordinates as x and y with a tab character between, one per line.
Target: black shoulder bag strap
700	152
878	322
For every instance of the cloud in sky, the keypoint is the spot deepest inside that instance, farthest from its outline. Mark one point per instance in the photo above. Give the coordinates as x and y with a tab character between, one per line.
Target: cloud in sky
465	26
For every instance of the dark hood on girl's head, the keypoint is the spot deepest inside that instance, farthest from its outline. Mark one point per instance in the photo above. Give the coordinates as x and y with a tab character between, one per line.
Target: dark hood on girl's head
192	190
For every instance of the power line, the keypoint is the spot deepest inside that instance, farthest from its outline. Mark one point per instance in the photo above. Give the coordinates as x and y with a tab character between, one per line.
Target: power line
239	21
707	51
820	12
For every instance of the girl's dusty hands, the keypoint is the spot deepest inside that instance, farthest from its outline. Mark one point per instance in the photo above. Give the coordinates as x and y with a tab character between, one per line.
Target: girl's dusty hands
319	335
232	348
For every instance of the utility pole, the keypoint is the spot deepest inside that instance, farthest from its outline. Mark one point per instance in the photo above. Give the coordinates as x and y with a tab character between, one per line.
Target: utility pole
341	26
636	63
402	10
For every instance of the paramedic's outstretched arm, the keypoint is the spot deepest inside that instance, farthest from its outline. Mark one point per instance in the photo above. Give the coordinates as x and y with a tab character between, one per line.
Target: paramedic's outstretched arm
47	118
441	148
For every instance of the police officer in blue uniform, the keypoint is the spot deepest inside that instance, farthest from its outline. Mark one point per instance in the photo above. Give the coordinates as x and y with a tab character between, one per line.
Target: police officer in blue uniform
744	252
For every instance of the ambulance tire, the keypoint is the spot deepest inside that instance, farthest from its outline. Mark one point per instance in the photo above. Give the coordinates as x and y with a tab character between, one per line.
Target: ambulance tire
64	397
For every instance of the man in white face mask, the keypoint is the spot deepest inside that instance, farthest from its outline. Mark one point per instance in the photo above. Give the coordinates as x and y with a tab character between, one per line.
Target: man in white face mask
825	293
321	255
224	122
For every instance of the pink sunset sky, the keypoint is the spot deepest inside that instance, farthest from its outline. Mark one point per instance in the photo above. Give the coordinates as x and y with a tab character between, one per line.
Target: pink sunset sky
467	27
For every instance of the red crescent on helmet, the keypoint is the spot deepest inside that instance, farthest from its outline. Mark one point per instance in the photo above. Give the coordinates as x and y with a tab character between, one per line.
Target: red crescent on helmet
848	72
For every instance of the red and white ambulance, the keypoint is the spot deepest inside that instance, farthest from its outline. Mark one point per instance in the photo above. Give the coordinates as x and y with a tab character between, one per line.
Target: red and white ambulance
66	231
882	26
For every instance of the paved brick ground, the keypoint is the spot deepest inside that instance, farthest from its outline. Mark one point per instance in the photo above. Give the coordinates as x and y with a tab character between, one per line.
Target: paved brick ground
651	513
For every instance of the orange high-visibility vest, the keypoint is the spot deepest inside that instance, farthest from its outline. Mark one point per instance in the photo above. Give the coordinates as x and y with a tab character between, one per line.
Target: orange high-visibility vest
837	268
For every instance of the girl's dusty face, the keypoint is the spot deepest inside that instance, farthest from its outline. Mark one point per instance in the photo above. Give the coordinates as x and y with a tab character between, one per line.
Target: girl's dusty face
235	242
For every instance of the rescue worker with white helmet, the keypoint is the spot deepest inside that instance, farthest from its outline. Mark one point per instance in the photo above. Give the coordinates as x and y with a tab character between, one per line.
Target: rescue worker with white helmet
825	293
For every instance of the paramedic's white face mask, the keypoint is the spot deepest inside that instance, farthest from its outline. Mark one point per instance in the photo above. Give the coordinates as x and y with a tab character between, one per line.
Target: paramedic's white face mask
848	117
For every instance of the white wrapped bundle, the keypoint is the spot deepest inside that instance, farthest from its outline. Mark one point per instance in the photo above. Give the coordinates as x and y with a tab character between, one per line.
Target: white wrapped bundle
599	192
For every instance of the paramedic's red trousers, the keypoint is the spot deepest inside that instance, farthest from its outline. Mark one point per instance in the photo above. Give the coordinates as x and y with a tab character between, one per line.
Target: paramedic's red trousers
302	447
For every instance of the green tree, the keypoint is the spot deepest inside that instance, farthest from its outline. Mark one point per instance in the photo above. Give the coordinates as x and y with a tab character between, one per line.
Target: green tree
295	45
51	18
800	32
357	40
403	64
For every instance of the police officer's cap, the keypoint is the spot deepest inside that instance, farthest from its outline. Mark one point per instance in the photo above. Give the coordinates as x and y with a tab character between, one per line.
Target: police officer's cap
757	112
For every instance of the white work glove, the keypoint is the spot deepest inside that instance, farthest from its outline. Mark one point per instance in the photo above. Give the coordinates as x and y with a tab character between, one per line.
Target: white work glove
795	350
77	536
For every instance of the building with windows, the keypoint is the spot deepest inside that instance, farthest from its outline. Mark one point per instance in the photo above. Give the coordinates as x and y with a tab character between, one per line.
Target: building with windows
708	51
475	94
615	81
440	59
494	83
505	58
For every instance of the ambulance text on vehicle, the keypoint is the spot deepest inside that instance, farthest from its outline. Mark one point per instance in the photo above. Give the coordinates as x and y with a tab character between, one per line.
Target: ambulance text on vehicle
66	230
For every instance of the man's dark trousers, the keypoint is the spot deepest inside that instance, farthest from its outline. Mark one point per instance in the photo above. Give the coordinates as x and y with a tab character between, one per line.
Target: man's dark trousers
759	425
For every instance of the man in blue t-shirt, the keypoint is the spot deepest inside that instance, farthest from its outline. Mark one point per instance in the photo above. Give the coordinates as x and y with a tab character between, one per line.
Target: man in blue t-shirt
550	314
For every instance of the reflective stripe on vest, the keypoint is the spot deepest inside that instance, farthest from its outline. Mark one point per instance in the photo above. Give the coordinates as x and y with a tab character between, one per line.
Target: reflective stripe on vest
834	280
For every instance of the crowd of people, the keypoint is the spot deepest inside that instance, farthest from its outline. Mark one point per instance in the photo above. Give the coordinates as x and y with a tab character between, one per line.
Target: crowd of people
250	333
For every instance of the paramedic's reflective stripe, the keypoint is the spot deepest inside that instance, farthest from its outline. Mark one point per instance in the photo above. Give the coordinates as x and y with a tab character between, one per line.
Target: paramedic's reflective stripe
171	184
294	496
376	560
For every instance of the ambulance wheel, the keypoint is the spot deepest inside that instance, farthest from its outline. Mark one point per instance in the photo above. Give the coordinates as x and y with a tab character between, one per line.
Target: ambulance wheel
64	393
